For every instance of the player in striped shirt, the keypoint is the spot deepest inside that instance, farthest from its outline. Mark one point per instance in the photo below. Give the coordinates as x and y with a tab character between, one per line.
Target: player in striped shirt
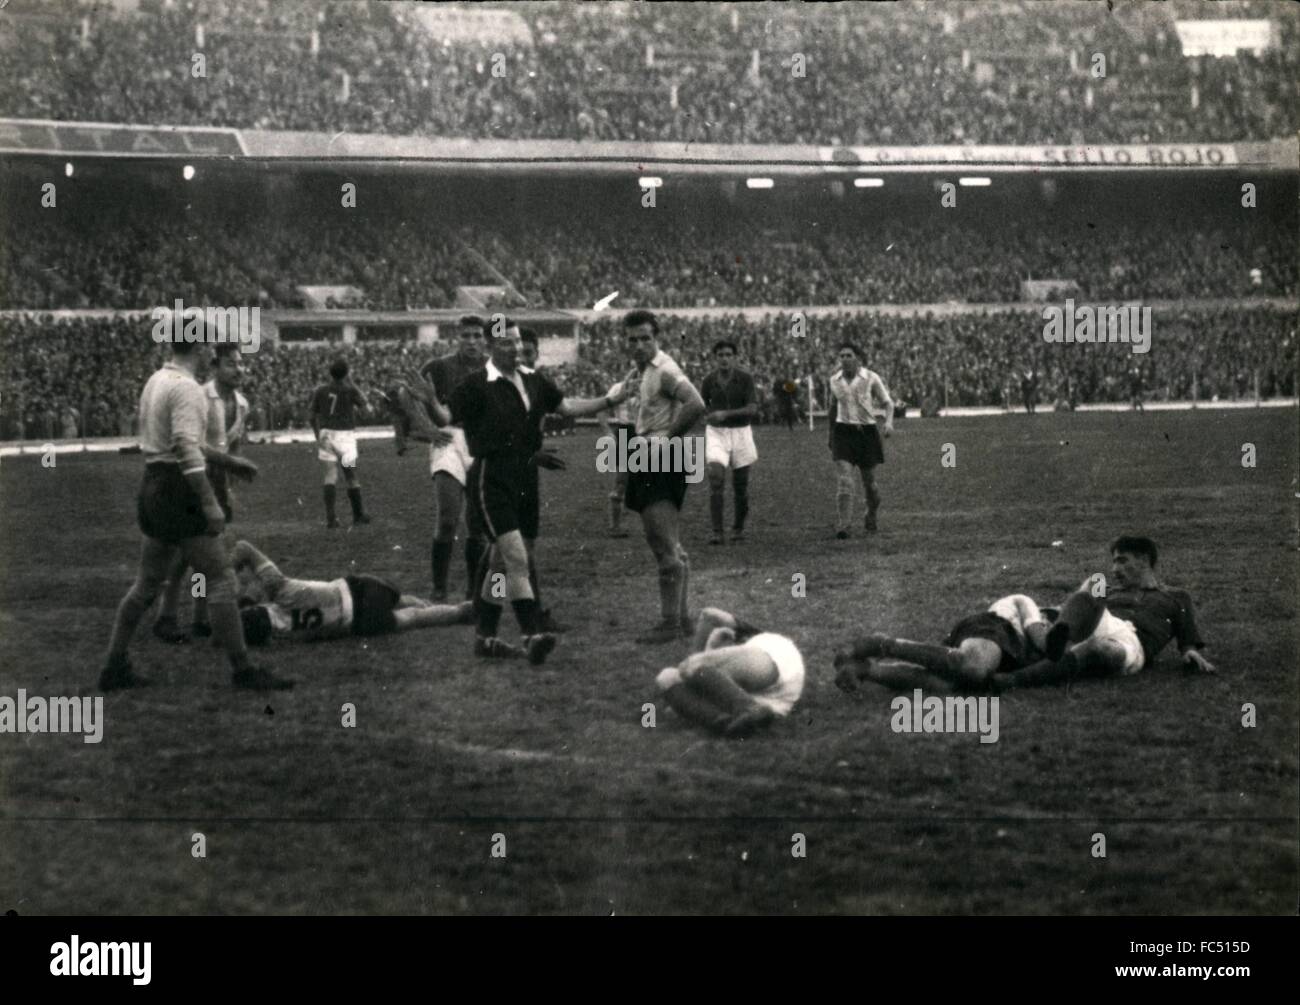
334	408
859	398
178	512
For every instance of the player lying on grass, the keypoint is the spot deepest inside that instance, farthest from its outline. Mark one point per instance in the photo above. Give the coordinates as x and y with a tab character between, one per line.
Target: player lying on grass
1010	635
307	609
738	678
1119	633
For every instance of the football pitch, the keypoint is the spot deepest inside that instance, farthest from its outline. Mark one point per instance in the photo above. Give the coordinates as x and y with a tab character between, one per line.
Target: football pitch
596	813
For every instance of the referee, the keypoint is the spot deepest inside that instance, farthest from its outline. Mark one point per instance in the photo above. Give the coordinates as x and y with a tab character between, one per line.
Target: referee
501	409
180	514
855	439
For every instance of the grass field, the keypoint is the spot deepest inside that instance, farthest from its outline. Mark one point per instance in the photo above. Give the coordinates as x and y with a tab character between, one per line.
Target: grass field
602	815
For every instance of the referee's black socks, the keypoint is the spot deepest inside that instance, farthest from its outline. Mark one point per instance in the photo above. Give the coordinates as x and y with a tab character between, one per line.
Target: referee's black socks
354	497
330	492
529	616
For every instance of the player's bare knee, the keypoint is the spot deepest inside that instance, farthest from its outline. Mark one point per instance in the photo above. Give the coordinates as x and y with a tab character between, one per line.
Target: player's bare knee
668	678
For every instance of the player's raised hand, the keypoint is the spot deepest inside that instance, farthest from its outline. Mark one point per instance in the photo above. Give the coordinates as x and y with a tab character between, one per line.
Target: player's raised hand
1194	662
549	459
421	387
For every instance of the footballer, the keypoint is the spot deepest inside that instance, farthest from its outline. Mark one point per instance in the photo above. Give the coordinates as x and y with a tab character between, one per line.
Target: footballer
334	408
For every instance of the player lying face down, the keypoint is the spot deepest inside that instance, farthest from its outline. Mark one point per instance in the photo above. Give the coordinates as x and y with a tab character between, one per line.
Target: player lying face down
279	606
1010	635
737	680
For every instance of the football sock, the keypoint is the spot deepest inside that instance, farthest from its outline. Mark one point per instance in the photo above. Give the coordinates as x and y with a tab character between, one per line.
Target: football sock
171	597
488	617
1045	672
354	497
441	561
718	686
532	581
873	499
843	507
716	505
740	486
330	492
684	592
474	552
528	615
201	616
904	676
669	595
228	630
696	707
129	612
938	658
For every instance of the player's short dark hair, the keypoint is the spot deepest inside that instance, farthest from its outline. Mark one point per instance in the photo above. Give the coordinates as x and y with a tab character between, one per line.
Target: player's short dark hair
472	321
725	343
257	624
1142	547
851	347
528	335
634	319
225	349
339	369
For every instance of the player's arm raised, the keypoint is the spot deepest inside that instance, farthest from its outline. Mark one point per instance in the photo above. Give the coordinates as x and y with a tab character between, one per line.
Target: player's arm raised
574	408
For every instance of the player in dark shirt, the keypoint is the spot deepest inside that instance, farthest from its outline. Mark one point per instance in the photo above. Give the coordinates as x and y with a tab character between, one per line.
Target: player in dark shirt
783	392
501	409
1103	631
731	403
449	460
334	408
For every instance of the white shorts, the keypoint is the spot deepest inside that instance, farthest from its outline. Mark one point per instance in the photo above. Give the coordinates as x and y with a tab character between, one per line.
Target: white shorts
782	695
338	445
453	458
1019	609
1122	633
730	446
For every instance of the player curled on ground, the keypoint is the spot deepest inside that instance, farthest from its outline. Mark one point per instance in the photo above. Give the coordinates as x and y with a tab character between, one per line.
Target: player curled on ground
280	606
669	406
859	398
179	514
731	399
334	408
737	679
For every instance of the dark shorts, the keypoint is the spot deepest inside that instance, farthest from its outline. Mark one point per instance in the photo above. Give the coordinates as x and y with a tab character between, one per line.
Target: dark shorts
647	487
997	630
167	509
373	603
859	445
504	496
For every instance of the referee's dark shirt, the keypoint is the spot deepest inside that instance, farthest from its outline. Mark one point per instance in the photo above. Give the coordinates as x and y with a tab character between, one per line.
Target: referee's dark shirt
487	404
721	394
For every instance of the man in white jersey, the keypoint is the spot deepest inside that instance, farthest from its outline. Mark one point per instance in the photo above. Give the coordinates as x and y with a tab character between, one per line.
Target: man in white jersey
179	513
312	609
737	680
859	398
227	416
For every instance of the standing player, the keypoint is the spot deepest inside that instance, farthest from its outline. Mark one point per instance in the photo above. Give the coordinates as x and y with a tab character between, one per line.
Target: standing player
178	511
855	441
501	409
737	680
670	406
226	418
783	392
732	401
333	419
449	460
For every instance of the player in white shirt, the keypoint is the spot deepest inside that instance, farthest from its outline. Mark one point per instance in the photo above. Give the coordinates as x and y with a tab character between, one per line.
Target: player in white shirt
276	605
859	400
738	678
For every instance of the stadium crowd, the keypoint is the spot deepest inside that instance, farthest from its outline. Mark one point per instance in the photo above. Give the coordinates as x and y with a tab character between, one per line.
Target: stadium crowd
64	378
990	73
139	263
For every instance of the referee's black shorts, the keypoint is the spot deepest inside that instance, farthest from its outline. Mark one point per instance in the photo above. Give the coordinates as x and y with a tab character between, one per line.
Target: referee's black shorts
504	496
167	509
859	445
647	487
